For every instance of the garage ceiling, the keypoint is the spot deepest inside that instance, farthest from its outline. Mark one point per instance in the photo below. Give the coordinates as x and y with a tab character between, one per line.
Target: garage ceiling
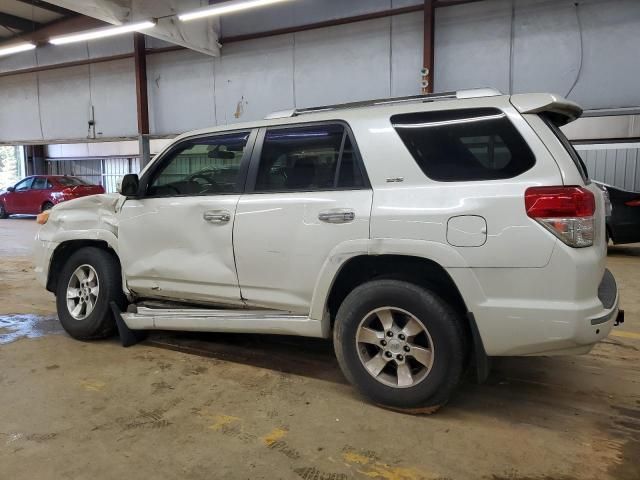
18	17
201	36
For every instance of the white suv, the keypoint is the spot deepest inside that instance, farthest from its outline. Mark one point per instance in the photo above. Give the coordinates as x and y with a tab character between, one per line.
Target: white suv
424	234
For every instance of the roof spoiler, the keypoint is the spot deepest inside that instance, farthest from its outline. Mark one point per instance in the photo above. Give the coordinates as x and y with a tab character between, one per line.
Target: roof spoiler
563	110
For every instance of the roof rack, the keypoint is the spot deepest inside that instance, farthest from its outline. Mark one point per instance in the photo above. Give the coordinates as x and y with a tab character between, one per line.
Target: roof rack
431	97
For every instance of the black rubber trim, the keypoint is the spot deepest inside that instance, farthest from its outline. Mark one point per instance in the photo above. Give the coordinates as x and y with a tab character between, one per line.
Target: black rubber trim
482	362
608	290
128	337
602	319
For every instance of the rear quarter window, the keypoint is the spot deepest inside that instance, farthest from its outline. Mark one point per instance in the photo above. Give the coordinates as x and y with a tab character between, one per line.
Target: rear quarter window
464	145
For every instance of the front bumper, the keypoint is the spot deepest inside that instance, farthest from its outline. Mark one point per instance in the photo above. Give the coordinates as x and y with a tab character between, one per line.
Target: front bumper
42	253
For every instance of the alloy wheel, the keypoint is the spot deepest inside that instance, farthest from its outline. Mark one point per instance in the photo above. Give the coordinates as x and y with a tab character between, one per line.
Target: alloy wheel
395	347
82	292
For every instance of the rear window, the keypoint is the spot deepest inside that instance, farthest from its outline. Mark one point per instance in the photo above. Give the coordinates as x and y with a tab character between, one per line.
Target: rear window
582	168
464	145
71	181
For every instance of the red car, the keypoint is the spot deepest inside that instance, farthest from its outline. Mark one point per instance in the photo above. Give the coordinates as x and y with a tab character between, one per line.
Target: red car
38	193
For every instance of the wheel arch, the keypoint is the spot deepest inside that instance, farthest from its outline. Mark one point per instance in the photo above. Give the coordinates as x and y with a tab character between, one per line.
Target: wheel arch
418	270
64	251
421	271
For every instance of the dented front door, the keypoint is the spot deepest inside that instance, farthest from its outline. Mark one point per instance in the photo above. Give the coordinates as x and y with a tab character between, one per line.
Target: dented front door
180	248
175	239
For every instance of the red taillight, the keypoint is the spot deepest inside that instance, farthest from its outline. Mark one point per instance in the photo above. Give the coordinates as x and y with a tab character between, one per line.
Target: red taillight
554	202
633	203
567	212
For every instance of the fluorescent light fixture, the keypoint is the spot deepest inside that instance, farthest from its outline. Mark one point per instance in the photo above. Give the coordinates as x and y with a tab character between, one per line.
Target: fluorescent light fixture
102	32
19	47
226	7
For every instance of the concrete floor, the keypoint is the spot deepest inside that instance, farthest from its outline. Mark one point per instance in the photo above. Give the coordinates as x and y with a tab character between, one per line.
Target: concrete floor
185	406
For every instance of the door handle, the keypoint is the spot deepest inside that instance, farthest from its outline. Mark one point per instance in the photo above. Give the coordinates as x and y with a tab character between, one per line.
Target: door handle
217	216
337	215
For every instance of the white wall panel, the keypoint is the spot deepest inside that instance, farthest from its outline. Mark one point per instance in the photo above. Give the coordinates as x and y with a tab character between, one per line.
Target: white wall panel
254	78
19	116
49	54
64	102
111	46
472	46
299	12
546	47
181	87
343	63
611	66
18	61
113	96
406	54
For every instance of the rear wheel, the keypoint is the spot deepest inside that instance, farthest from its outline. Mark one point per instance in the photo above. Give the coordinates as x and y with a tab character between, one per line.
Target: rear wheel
3	211
88	282
400	345
47	206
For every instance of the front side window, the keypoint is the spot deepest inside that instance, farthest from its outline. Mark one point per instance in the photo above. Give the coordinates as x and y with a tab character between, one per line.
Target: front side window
309	158
203	166
24	184
464	145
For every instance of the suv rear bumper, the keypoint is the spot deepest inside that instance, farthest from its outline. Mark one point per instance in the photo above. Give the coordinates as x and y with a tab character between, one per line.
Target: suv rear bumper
537	327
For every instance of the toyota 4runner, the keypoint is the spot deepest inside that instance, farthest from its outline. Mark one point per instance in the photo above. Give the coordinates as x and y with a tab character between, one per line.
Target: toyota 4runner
423	234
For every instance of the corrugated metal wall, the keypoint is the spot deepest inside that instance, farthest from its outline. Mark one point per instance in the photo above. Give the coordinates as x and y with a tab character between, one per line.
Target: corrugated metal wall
99	171
615	164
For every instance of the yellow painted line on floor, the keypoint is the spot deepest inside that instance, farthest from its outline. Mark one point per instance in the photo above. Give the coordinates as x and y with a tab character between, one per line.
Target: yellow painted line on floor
623	334
274	436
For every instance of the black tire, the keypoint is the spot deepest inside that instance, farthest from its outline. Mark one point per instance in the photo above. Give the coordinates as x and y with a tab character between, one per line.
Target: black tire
3	212
444	327
47	206
100	323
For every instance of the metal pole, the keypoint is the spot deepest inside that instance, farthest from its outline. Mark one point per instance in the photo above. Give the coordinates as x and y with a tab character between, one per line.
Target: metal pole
142	99
429	45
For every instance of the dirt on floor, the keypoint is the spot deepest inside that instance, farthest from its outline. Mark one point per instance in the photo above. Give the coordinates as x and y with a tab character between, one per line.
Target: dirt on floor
191	406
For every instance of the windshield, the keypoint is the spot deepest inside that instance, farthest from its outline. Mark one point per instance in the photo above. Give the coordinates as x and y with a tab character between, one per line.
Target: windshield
71	181
582	168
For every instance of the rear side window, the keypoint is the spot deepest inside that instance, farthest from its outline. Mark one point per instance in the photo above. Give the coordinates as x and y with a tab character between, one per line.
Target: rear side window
464	145
71	181
39	183
318	157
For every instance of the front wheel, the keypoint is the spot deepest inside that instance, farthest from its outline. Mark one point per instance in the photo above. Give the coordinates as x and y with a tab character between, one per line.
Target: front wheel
47	206
88	282
400	344
3	211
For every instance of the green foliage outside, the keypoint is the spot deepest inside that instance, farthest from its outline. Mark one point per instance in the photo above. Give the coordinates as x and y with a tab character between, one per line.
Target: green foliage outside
9	172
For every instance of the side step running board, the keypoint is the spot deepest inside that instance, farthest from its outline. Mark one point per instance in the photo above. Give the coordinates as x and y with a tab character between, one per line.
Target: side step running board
219	320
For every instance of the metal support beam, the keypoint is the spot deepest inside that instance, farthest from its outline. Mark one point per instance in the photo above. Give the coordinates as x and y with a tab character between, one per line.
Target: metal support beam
429	45
142	98
58	27
18	23
47	6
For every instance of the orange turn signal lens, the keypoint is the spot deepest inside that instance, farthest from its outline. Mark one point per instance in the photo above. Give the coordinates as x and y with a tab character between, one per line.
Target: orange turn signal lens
43	217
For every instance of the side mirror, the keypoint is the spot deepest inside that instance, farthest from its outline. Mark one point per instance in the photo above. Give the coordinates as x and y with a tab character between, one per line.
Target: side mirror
129	185
11	189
